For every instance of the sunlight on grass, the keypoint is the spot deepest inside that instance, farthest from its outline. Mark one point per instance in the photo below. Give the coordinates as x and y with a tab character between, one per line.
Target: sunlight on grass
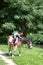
28	56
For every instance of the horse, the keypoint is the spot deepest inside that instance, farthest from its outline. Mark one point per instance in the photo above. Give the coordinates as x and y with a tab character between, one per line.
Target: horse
20	42
27	41
11	44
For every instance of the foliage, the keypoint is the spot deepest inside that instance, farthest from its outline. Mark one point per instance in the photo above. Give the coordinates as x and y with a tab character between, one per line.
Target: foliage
8	26
35	38
26	15
3	39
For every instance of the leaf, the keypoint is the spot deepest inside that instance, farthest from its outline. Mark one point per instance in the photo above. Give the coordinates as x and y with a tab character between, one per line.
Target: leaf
8	26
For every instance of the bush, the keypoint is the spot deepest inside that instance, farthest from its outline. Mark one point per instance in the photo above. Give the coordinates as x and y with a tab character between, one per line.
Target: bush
3	39
36	37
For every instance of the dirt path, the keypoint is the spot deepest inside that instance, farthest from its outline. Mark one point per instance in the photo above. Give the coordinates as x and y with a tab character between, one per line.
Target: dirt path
6	60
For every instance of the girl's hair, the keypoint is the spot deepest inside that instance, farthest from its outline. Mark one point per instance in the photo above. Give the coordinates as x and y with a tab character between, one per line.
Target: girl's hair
20	31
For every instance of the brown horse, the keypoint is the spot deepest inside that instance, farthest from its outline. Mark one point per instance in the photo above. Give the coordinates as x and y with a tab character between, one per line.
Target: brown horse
11	44
18	44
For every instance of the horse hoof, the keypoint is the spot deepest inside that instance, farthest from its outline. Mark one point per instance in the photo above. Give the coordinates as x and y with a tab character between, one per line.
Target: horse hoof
9	53
31	47
12	56
19	54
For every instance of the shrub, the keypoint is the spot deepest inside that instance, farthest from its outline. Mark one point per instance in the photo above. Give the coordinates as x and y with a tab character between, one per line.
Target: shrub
3	39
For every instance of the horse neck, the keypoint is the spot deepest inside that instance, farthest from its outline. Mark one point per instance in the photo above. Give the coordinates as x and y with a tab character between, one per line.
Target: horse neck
20	39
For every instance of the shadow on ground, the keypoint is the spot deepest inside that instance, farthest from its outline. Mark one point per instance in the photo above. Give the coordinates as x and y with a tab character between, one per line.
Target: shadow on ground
7	54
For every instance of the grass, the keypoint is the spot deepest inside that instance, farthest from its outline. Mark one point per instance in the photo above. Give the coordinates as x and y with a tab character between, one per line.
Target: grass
28	56
2	62
4	47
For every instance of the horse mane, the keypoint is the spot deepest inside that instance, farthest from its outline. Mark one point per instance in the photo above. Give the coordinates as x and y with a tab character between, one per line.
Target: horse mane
26	39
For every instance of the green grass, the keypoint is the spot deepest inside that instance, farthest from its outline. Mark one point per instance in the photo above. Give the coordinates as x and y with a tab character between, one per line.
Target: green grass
28	56
2	62
4	47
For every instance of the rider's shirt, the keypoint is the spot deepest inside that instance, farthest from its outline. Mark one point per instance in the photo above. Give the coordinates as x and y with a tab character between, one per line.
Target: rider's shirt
16	35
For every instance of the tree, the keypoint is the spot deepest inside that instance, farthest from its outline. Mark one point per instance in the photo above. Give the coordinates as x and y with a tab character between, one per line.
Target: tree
24	14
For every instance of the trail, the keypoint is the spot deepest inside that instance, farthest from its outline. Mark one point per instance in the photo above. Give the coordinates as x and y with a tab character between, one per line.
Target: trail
6	60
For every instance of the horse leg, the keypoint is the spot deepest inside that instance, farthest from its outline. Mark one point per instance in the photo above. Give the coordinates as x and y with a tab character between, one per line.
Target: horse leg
9	48
15	47
30	44
19	50
19	47
14	51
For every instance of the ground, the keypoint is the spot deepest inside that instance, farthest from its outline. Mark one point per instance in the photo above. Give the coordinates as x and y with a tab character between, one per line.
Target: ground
32	56
2	62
